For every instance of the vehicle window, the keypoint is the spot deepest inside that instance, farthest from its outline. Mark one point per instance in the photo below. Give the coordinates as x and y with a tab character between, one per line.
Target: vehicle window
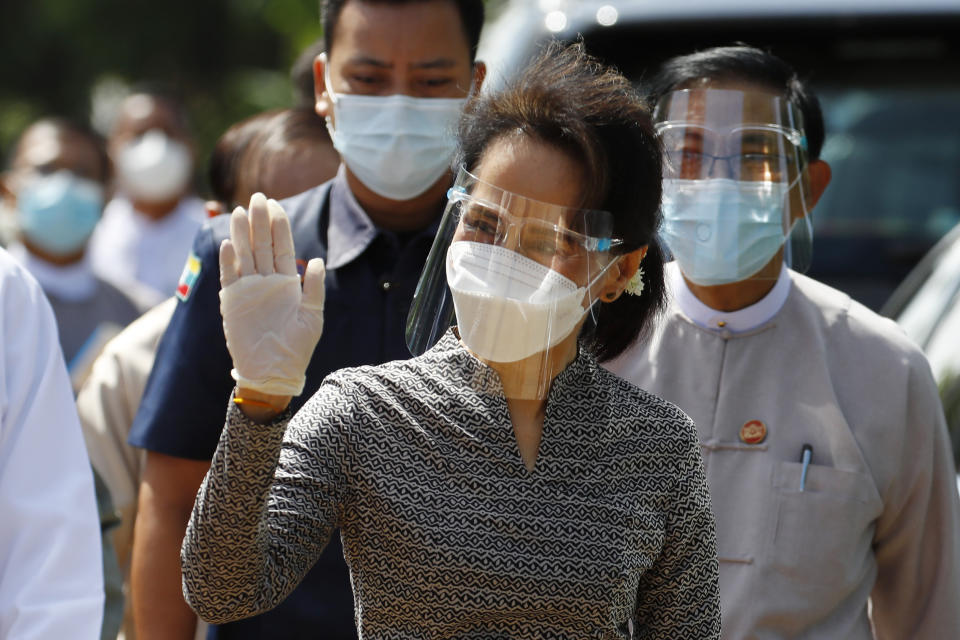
895	156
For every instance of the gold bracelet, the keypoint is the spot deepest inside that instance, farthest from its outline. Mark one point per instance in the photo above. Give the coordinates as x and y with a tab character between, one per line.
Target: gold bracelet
256	403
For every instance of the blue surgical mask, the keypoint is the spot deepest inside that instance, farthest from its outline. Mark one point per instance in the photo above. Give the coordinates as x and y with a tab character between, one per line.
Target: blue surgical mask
58	211
722	231
397	146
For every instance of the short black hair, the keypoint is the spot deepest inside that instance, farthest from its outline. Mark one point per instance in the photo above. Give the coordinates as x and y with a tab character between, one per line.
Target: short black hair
67	126
567	99
471	17
750	64
301	75
242	148
164	94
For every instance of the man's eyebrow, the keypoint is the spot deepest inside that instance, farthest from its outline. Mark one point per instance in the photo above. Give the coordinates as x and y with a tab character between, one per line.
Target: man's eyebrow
367	60
438	63
759	137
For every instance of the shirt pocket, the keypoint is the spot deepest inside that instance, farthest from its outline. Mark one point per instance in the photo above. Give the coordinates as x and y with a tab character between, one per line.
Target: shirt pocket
824	534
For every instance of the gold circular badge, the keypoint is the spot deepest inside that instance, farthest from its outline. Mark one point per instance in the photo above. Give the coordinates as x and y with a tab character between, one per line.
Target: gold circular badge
753	432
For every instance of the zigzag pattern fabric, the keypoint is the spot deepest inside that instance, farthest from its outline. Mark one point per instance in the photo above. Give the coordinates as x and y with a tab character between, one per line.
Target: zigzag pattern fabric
446	533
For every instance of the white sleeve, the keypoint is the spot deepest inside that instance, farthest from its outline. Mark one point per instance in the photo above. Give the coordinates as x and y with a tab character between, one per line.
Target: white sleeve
51	575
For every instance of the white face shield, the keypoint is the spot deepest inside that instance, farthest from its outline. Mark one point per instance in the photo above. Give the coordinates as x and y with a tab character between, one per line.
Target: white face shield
736	187
519	275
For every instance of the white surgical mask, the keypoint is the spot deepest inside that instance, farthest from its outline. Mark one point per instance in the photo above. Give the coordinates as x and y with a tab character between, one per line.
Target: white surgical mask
154	167
722	231
508	306
398	146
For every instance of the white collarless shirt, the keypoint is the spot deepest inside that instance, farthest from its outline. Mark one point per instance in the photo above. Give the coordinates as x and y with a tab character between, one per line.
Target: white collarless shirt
51	584
141	256
737	321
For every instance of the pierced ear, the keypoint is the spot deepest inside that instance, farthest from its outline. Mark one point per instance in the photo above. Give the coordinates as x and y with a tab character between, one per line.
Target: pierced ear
626	268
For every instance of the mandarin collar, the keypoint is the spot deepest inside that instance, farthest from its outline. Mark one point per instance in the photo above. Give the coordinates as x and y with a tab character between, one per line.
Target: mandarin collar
739	321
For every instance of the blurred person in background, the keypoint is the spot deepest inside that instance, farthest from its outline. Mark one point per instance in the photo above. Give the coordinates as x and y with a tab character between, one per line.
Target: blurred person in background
51	576
392	86
145	234
301	75
56	182
823	435
280	153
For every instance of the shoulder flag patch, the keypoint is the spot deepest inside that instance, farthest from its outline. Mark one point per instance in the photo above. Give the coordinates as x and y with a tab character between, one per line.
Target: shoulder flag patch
189	277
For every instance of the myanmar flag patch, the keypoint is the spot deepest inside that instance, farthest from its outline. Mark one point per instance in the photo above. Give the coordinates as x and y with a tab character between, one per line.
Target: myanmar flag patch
189	277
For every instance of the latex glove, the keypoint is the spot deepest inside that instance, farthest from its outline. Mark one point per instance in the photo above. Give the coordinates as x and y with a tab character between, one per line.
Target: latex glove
271	325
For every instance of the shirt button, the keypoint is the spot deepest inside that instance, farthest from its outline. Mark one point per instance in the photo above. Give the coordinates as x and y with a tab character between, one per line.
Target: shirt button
386	285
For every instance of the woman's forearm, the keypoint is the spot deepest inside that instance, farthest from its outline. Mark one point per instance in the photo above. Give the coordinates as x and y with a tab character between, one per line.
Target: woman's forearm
228	571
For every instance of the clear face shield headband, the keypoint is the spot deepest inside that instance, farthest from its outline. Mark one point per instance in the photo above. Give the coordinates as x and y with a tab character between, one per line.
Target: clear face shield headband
736	186
517	276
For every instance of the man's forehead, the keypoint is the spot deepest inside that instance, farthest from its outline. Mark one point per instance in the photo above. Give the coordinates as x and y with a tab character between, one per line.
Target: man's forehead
424	33
41	144
46	144
142	112
725	109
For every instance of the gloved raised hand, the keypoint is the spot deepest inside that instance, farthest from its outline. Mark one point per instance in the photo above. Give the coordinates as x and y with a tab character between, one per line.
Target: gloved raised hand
271	325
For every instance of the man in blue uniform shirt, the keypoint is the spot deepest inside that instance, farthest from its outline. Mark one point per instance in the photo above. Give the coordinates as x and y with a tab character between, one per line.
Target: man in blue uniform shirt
391	86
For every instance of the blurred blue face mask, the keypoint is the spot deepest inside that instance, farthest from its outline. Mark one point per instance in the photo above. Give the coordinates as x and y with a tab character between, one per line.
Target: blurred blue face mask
397	146
722	231
58	211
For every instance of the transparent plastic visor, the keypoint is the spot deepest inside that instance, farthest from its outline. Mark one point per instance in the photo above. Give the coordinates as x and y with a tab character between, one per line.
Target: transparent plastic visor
516	275
736	184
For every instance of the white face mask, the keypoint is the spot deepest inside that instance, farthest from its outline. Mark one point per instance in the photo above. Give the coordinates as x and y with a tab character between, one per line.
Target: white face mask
509	307
396	145
154	167
722	231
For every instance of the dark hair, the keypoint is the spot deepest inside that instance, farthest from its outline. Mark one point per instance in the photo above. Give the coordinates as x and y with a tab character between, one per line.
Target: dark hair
245	145
166	96
301	75
745	63
471	17
72	127
567	99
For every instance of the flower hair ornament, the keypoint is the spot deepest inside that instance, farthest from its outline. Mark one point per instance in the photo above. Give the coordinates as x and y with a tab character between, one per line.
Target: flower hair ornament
635	286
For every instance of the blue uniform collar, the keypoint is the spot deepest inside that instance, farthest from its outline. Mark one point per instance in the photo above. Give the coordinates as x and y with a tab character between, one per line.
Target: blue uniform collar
350	230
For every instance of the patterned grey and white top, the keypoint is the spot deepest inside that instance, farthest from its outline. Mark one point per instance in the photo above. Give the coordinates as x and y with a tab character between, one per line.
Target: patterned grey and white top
446	533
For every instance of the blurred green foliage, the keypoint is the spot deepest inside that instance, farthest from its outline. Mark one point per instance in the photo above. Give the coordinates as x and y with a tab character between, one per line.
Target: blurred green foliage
226	59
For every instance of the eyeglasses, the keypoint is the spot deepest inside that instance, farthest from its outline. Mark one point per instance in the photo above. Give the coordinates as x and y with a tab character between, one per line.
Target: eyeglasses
535	238
757	153
745	166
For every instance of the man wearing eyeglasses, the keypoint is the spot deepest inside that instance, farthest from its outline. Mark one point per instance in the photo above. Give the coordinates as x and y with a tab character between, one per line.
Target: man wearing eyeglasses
824	441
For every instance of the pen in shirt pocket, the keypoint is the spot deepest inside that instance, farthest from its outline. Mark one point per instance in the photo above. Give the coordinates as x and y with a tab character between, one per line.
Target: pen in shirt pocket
806	455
